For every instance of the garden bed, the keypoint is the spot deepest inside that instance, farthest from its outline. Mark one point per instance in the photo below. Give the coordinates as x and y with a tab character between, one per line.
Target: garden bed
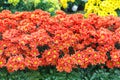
36	45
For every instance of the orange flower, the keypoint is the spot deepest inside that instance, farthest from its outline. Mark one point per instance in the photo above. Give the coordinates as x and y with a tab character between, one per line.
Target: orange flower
59	68
33	39
68	68
115	55
2	62
21	65
110	64
1	51
32	63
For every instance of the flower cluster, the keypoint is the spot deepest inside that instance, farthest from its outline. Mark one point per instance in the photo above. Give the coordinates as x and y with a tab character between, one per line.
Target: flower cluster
64	3
67	41
102	7
13	2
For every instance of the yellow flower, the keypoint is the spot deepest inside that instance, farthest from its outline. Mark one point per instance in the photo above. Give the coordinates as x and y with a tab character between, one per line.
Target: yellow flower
65	6
102	8
63	1
113	13
102	13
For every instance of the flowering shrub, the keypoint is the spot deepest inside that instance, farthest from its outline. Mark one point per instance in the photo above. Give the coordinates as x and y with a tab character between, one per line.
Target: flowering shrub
33	39
14	2
30	5
102	7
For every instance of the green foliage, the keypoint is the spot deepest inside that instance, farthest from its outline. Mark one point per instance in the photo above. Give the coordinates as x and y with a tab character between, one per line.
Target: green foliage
30	5
50	73
3	3
118	12
13	2
80	3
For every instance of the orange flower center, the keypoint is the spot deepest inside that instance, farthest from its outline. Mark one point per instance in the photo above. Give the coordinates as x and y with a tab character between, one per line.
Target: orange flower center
35	62
1	62
79	61
34	53
60	68
1	51
56	41
111	63
95	55
102	37
50	59
86	59
14	51
48	53
32	16
54	56
19	58
118	63
90	50
54	51
4	45
79	55
73	59
115	56
68	61
28	61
